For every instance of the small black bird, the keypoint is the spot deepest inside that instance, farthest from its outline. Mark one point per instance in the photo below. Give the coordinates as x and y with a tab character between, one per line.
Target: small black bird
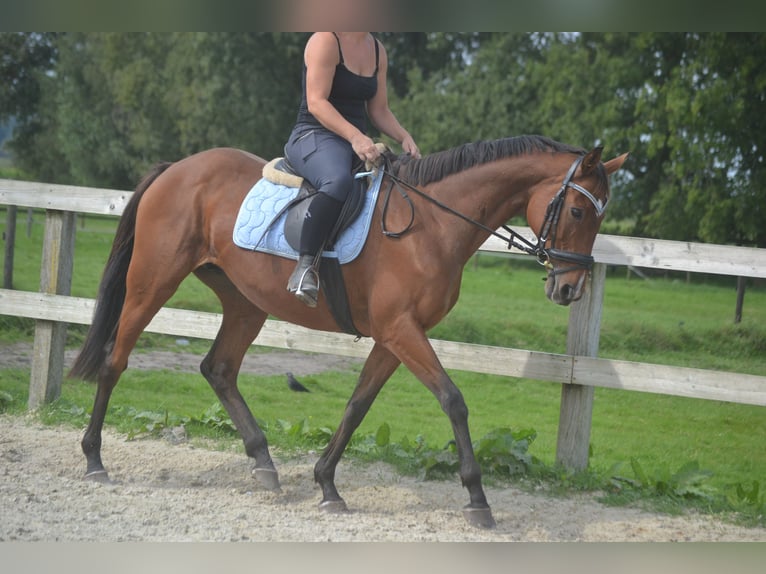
294	385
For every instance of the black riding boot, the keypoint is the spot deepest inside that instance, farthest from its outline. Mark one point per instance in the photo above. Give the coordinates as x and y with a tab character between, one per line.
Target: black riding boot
320	218
304	281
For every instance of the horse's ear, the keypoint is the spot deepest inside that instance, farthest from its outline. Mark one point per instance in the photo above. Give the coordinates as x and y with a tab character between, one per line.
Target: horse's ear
614	164
591	160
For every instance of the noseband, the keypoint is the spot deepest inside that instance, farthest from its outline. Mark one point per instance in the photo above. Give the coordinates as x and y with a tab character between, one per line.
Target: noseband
514	239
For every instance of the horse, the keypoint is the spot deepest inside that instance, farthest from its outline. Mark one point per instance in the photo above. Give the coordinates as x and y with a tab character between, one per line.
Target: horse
179	221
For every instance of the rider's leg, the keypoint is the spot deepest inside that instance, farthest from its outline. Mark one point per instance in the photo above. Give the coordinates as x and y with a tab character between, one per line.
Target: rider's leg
324	160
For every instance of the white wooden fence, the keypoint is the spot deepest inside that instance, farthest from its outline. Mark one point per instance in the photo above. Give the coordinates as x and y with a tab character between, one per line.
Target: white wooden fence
579	370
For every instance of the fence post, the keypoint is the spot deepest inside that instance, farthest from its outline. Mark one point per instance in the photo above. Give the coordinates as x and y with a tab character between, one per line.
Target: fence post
10	246
577	400
741	283
50	336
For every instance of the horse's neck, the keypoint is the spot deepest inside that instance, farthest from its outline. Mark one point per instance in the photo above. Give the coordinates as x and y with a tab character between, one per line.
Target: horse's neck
489	194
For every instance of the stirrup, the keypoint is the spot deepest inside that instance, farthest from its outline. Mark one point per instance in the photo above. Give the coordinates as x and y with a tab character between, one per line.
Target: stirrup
308	290
304	281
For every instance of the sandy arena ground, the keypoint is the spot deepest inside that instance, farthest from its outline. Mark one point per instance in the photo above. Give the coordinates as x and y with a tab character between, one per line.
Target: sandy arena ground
169	490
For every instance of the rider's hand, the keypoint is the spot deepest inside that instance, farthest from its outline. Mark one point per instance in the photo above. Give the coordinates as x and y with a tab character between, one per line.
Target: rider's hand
365	148
409	146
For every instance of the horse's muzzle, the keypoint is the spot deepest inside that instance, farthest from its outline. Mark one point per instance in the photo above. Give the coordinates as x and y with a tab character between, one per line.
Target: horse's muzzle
565	288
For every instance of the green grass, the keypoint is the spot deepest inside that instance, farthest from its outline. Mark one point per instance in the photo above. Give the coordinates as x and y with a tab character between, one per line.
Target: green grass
665	320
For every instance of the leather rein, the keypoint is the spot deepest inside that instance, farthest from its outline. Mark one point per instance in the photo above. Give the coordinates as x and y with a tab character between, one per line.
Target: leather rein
514	239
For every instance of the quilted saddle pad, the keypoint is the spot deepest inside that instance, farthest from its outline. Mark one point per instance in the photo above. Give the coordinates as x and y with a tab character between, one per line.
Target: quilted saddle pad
257	230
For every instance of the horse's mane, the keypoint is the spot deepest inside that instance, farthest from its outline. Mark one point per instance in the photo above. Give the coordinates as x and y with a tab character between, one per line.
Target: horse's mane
437	166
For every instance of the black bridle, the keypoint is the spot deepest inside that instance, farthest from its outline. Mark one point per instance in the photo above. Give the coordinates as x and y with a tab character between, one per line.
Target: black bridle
514	239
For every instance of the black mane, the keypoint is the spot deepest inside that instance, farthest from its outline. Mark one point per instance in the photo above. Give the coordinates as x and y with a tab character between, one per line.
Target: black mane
437	166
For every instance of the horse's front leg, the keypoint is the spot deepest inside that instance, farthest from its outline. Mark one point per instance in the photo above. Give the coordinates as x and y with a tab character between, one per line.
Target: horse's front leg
378	368
412	347
477	511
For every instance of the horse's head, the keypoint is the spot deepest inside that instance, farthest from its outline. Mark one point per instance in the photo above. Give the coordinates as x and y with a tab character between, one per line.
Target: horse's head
566	218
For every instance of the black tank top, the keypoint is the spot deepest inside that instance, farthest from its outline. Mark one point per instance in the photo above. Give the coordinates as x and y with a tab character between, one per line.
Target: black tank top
348	94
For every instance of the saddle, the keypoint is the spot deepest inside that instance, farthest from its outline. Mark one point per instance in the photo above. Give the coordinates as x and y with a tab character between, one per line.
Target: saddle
280	171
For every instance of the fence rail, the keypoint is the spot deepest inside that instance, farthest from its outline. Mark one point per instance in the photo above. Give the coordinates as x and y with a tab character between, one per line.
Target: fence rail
579	370
609	249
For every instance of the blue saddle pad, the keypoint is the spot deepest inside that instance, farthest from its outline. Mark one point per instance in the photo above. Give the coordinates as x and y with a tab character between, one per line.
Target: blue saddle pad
256	230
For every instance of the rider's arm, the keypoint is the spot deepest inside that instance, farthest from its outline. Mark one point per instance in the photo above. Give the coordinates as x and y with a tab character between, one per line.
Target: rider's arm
382	116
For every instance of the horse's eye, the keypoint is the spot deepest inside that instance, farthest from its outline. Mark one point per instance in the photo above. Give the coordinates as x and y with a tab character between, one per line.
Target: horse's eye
577	213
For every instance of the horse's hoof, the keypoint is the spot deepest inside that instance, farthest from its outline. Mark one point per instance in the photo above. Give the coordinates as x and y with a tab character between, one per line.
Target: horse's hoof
479	517
100	476
267	478
333	506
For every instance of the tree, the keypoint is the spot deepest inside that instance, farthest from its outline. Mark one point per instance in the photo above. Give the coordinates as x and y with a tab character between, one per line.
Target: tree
239	90
25	58
99	109
428	54
123	101
716	106
27	63
479	95
112	121
692	105
689	107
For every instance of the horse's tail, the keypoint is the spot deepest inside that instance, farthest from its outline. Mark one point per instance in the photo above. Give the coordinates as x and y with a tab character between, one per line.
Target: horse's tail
111	291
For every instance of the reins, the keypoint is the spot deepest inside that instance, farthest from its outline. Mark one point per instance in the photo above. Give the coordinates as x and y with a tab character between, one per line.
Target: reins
513	239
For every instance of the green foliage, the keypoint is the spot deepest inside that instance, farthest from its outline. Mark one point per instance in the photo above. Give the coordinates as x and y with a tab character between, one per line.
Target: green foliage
8	170
669	491
505	455
683	105
215	417
749	500
148	422
301	434
687	482
502	453
26	56
109	105
100	108
6	400
751	495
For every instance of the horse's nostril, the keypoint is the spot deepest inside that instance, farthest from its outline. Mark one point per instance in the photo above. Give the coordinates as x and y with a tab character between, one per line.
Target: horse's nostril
566	292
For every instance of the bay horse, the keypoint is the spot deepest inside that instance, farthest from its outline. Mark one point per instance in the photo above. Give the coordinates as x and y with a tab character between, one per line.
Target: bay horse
180	221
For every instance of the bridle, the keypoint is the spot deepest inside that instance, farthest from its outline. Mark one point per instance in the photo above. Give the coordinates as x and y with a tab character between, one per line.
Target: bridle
514	239
550	226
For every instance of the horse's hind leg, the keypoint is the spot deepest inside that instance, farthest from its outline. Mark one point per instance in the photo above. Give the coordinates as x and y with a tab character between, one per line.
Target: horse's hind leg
240	325
91	441
140	306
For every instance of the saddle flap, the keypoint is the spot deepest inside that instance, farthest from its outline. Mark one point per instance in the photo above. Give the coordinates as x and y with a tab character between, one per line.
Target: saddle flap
297	213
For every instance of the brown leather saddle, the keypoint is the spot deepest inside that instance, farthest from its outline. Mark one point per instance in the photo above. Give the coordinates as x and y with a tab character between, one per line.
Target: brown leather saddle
281	172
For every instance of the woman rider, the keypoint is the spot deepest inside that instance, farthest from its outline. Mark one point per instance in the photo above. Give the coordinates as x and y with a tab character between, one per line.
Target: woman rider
344	83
